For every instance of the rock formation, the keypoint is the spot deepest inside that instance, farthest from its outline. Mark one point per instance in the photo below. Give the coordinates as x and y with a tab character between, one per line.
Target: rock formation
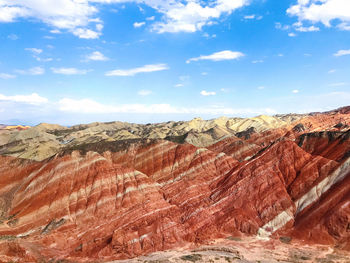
107	191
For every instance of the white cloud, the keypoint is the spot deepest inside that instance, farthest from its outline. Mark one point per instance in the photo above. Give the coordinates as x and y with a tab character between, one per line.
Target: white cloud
144	92
55	31
83	106
79	16
249	17
298	26
338	84
151	18
261	87
34	99
13	37
141	9
257	61
342	53
35	51
295	91
134	71
209	36
344	26
218	56
191	16
95	20
43	59
253	16
69	71
207	93
278	25
179	85
139	24
96	56
89	106
323	11
8	13
86	33
6	76
99	27
59	14
307	29
32	71
332	71
280	55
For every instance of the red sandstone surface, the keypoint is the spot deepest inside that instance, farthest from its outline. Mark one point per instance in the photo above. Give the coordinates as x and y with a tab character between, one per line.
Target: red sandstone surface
103	205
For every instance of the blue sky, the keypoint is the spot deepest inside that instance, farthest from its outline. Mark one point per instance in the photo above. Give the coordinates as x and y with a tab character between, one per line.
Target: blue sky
78	61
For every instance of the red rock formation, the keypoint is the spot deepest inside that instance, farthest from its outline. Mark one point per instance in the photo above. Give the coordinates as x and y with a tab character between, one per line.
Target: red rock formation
76	205
327	219
244	149
326	122
122	201
332	145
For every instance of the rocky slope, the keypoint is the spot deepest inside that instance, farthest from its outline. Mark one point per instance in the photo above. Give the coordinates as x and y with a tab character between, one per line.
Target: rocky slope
107	191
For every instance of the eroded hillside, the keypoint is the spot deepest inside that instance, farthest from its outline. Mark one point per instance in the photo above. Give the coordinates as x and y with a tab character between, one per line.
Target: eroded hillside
107	191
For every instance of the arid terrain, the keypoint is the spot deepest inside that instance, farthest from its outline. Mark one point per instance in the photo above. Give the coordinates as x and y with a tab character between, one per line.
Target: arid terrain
262	189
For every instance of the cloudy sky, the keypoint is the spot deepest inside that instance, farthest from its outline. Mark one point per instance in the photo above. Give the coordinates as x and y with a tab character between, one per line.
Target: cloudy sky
78	61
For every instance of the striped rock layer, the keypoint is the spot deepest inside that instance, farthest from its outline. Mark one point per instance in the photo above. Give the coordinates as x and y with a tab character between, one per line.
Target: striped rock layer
116	201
